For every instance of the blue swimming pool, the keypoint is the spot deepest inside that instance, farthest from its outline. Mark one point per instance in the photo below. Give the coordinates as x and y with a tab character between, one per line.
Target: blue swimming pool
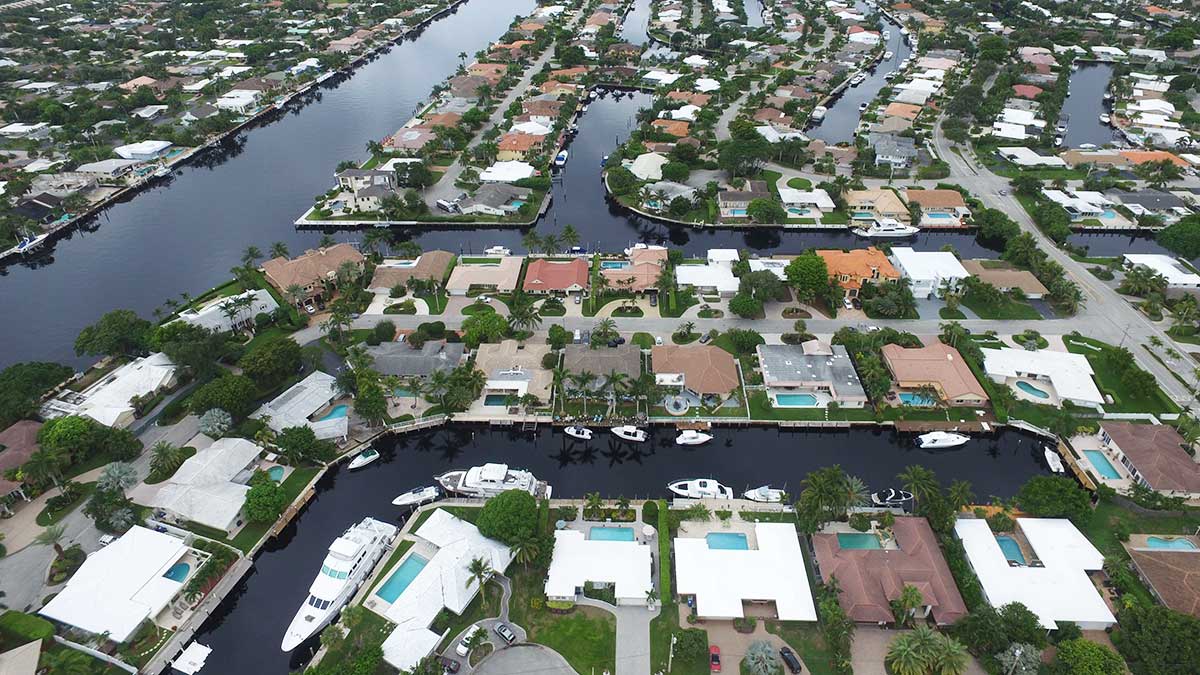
613	264
1172	543
1101	464
738	212
275	473
496	400
795	400
862	215
909	398
797	211
1031	390
1109	213
611	534
730	541
338	411
858	540
516	203
938	216
178	572
399	392
401	578
1011	549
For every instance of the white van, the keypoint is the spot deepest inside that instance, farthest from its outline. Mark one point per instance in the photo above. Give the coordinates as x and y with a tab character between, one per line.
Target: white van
578	337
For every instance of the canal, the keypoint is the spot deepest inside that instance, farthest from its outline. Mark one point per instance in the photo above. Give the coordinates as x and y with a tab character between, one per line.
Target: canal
636	24
754	13
245	631
1085	102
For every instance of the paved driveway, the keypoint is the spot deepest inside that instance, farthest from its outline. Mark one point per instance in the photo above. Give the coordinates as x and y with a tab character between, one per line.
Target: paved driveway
524	658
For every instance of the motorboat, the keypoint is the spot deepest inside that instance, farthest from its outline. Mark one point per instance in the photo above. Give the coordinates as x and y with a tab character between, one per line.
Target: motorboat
418	496
162	171
576	431
643	247
887	227
630	433
1058	141
27	244
692	437
903	31
604	160
891	497
887	34
364	458
1088	146
1104	119
765	494
700	488
818	112
560	160
490	480
942	439
497	250
863	106
350	560
857	80
1053	460
888	55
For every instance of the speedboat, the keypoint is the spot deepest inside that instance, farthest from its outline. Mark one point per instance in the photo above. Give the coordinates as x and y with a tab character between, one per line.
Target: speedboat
857	80
700	488
1104	119
364	458
863	106
162	171
1053	460
490	480
942	439
560	159
887	34
692	437
818	112
1058	141
630	433
497	250
1088	146
764	494
891	497
27	244
417	496
576	431
640	246
348	563
887	227
888	55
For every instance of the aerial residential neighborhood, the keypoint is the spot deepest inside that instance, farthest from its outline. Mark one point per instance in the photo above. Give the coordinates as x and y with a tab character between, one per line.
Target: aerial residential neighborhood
573	337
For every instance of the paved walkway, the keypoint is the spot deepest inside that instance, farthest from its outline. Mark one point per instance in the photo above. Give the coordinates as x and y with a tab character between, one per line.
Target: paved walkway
633	634
524	659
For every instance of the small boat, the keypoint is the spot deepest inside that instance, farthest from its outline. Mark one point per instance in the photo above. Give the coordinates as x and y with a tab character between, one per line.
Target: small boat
575	431
764	494
1058	141
863	106
27	244
818	112
700	488
560	160
903	31
857	80
1088	146
1108	96
604	160
888	55
364	458
497	250
643	247
629	433
887	34
887	227
1104	119
891	497
490	480
417	496
692	437
162	172
942	439
1053	460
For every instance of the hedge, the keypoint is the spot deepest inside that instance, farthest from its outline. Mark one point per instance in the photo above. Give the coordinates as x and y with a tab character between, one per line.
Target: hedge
25	626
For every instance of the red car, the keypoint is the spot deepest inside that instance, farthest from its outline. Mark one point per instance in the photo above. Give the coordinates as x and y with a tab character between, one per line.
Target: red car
714	659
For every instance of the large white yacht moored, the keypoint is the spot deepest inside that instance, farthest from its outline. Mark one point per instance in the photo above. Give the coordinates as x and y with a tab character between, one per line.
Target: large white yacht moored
942	439
886	227
700	488
349	561
490	480
764	494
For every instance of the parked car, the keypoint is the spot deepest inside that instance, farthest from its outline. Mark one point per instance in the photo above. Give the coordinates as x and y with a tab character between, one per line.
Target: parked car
505	633
654	300
847	302
587	337
714	659
461	648
705	338
577	338
310	309
790	660
449	665
658	341
578	298
106	539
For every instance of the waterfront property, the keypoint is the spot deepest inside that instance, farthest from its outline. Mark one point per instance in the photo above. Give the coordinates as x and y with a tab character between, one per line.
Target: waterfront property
599	558
932	273
1169	566
227	313
642	271
447	545
877	204
313	272
17	444
402	360
871	578
1044	376
209	487
939	208
494	274
1053	580
1176	274
851	269
700	374
306	404
760	569
810	375
511	369
624	359
1154	456
716	276
392	272
1005	277
111	400
552	276
937	366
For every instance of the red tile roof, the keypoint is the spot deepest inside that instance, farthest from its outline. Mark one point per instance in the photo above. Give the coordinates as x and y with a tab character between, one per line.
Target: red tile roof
546	275
1157	452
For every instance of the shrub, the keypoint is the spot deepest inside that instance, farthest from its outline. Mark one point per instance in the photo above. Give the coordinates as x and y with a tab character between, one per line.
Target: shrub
25	626
860	522
549	360
508	517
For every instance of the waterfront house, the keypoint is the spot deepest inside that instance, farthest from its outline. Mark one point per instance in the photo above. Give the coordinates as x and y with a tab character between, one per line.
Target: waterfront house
641	273
825	373
903	111
1006	278
403	360
507	172
227	313
1044	376
1023	156
115	400
871	579
811	203
392	272
876	204
544	276
143	151
648	165
931	273
584	560
17	444
513	368
238	101
1174	272
498	274
939	208
358	179
1154	455
209	488
519	147
495	199
1170	208
108	168
1080	204
1045	565
300	405
851	269
409	140
936	366
676	128
714	277
624	359
697	371
892	149
1170	574
734	203
312	272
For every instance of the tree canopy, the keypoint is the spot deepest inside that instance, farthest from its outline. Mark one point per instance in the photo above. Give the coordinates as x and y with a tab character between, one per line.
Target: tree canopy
120	332
509	517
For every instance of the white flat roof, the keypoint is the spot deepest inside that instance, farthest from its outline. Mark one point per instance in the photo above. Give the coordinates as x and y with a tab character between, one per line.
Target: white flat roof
722	578
293	407
121	585
212	315
577	560
1071	374
928	265
706	276
1170	268
202	489
1060	591
107	401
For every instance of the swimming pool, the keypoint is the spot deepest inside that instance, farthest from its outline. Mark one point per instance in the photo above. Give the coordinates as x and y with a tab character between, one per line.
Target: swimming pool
1031	390
516	203
401	578
613	264
938	216
795	400
727	541
858	540
611	534
862	215
338	411
178	572
797	211
1101	464
738	212
909	398
401	393
1109	213
1172	543
1011	549
496	400
275	473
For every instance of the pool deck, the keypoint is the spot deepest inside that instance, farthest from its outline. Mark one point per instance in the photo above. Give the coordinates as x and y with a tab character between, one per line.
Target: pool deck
1140	541
1083	444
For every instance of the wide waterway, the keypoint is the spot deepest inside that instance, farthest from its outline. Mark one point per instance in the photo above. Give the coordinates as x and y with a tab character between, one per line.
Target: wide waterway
1084	104
246	629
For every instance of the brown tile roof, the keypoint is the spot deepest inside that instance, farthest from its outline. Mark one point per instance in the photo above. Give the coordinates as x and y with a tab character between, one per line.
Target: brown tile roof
568	74
310	267
937	364
431	265
1144	156
936	199
706	369
444	119
514	142
903	110
677	128
690	97
547	275
1006	278
625	359
871	578
1174	576
17	443
635	277
859	264
541	106
1157	452
1026	90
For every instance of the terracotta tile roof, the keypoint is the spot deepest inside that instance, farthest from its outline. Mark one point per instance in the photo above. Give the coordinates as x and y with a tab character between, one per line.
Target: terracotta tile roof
567	74
706	369
445	119
690	97
1006	278
1174	576
310	267
677	128
937	364
431	265
871	578
513	142
547	275
1026	90
540	106
936	199
1156	450
17	443
1143	156
903	110
860	264
637	276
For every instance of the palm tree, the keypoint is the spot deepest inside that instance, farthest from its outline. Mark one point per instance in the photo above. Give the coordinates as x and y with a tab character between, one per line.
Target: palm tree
640	388
686	328
532	241
593	503
857	492
559	377
437	386
326	241
918	480
51	536
117	477
165	458
550	243
251	256
68	662
760	659
949	657
614	382
526	548
583	382
906	605
294	294
569	236
522	315
45	465
279	250
479	571
960	494
346	272
905	656
606	328
415	386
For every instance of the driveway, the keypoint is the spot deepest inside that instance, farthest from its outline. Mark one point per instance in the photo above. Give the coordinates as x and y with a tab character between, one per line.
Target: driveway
870	648
522	659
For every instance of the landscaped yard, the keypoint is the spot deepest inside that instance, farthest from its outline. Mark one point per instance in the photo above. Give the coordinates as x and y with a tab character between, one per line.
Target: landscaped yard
253	532
46	517
586	637
1008	310
805	639
1109	380
1108	518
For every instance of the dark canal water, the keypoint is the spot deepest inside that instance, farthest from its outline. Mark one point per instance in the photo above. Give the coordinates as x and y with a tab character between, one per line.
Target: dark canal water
1085	103
636	23
245	631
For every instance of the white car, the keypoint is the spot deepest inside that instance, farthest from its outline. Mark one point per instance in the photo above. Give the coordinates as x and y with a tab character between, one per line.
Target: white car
658	341
848	302
461	648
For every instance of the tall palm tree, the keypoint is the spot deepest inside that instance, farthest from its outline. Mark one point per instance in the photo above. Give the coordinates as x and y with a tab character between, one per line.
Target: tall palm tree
479	571
918	480
583	383
642	387
347	272
606	328
550	243
280	249
526	548
593	503
569	236
857	492
44	466
559	377
686	328
415	386
52	536
294	294
68	662
532	241
960	494
906	605
949	657
251	256
165	458
437	386
614	383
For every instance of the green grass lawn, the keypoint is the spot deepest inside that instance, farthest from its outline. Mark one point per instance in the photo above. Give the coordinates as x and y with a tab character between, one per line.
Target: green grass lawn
266	336
805	639
586	637
1109	380
1101	531
436	304
253	532
799	183
643	340
761	409
1009	310
468	260
947	313
46	517
478	308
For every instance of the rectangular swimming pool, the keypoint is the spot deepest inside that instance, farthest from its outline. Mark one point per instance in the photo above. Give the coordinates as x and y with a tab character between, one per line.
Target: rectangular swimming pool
795	400
401	578
858	540
1101	464
909	398
1011	549
611	534
613	264
496	400
731	541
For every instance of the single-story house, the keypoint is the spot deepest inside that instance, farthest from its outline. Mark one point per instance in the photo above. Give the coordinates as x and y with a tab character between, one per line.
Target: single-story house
1171	575
642	272
703	370
495	199
939	208
1067	376
936	365
143	151
1169	268
393	272
825	373
1006	278
1155	457
500	275
514	369
402	360
110	400
297	406
625	359
555	276
875	204
225	314
209	487
579	560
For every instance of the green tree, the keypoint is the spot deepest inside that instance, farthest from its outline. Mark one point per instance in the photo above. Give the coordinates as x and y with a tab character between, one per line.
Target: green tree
22	386
300	444
1083	657
1182	237
165	458
265	500
235	394
508	517
68	662
120	332
745	306
370	402
766	212
484	327
272	363
760	659
1055	497
809	274
1157	639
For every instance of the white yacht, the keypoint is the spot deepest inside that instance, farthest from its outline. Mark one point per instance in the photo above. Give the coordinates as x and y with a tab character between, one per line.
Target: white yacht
560	160
692	437
350	560
764	494
863	106
818	112
857	80
942	439
891	497
629	433
888	55
887	227
364	458
1104	119
1053	460
576	431
642	247
700	488
417	496
27	244
497	250
490	480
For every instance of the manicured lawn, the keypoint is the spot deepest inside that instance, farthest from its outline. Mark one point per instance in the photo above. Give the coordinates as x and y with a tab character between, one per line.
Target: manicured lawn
1110	383
46	517
436	303
586	637
799	183
806	640
628	312
266	336
676	303
643	340
1007	311
947	313
761	409
835	218
467	260
478	308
